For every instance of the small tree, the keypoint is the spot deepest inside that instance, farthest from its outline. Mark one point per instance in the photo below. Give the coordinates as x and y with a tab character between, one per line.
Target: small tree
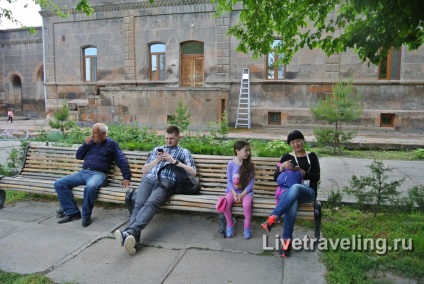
373	189
182	118
340	106
61	119
220	127
416	195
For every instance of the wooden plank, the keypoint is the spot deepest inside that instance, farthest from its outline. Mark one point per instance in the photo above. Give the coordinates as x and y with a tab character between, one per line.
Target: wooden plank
45	164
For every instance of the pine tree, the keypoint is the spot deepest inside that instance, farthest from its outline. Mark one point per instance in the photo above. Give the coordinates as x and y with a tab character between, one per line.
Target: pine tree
340	106
61	119
182	118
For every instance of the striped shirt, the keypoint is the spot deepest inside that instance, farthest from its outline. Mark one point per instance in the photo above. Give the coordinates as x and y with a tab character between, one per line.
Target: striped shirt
180	154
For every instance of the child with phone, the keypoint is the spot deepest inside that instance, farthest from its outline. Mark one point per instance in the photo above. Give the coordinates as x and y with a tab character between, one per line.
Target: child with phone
240	180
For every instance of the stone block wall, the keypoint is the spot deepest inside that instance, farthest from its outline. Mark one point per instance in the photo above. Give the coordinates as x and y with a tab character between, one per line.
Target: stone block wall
122	33
21	73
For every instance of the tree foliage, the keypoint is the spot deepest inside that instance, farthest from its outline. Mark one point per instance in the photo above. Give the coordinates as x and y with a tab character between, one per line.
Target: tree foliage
340	106
368	27
182	117
61	119
375	189
48	5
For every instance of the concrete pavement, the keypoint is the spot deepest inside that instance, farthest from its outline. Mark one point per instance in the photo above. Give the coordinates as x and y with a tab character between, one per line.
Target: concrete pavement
177	247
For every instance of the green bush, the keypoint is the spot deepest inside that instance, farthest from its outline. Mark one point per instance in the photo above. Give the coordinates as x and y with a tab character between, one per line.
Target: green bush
274	148
419	153
375	189
416	195
334	199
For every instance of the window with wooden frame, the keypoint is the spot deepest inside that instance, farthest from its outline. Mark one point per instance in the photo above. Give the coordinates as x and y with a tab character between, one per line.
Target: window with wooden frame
274	69
387	120
90	64
389	68
274	118
157	62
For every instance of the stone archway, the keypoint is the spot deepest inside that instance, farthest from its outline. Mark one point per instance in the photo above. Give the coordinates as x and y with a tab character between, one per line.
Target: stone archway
37	102
14	95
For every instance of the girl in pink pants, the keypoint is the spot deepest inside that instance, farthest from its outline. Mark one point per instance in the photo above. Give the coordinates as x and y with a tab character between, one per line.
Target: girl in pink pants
240	180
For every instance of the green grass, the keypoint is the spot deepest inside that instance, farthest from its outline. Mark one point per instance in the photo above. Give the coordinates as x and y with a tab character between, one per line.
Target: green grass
15	278
15	196
348	266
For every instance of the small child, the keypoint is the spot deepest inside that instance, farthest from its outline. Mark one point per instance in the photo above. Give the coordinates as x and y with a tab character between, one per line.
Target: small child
240	180
10	115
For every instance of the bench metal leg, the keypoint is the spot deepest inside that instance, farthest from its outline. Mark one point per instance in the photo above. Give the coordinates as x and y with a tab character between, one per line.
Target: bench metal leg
317	219
222	224
2	198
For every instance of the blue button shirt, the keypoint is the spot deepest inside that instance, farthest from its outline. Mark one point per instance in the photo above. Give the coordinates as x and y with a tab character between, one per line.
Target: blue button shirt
99	157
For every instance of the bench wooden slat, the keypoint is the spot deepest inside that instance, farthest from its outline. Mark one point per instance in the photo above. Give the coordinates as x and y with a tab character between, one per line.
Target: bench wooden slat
45	164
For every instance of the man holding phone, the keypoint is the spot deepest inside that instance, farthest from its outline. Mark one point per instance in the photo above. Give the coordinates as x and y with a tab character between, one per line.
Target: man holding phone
98	152
151	193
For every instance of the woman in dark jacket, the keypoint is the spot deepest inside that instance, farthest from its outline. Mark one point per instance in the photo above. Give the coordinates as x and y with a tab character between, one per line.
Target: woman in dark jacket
307	163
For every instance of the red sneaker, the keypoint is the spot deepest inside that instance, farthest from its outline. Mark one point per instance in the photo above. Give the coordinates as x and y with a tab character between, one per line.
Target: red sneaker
269	223
286	248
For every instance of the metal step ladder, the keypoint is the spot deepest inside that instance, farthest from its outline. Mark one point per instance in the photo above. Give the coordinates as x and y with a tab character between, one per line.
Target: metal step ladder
243	110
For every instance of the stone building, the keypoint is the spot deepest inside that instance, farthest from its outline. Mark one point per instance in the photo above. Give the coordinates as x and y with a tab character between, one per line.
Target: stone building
21	73
134	61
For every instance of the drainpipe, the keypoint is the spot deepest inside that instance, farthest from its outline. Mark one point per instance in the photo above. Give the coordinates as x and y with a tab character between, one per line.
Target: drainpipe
44	65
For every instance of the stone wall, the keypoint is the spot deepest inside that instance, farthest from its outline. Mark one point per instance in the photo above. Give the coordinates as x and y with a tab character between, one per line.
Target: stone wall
21	73
122	33
152	106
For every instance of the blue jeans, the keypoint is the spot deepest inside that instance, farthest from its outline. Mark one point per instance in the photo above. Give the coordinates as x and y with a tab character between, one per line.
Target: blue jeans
289	203
92	180
150	196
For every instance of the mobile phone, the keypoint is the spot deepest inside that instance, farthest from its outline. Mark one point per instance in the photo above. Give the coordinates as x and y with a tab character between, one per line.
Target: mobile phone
160	150
293	164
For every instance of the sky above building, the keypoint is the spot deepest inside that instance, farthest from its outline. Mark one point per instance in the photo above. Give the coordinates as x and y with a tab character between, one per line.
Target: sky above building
28	16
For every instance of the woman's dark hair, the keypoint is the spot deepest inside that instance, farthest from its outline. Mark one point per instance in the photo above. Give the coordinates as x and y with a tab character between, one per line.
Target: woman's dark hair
295	134
247	168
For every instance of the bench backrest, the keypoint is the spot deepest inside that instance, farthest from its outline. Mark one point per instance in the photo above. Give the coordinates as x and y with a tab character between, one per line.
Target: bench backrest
212	172
55	162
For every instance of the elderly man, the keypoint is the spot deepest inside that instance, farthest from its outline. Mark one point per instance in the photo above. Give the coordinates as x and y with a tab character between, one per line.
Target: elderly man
98	152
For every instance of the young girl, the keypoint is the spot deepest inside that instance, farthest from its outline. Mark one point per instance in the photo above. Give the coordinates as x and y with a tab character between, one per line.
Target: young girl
240	180
10	115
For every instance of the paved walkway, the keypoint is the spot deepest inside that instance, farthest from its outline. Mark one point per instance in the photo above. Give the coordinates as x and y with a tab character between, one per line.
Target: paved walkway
177	247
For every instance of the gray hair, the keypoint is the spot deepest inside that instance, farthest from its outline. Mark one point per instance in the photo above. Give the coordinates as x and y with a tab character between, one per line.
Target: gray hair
102	127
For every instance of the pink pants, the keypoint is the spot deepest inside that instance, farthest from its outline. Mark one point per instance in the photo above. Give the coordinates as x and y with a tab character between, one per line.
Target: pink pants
247	209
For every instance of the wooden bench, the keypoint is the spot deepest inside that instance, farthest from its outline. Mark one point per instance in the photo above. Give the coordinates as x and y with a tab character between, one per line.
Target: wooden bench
45	164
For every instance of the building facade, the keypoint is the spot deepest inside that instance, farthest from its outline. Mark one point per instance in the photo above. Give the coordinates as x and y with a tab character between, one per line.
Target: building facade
21	73
134	61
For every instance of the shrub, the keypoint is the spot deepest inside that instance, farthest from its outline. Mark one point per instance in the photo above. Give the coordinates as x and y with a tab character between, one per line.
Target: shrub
182	118
416	195
61	119
340	106
419	153
373	189
334	199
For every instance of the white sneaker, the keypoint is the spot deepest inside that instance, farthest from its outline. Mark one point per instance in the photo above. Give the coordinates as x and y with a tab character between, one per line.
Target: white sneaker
129	245
119	237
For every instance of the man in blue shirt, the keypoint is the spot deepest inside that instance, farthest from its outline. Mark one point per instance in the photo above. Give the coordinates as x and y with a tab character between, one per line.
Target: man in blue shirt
151	194
98	152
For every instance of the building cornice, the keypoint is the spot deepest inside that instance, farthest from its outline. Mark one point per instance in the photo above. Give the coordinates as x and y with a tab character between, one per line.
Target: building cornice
19	42
131	6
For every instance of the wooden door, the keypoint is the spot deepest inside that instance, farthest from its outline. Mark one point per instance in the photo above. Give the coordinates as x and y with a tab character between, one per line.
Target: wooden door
192	74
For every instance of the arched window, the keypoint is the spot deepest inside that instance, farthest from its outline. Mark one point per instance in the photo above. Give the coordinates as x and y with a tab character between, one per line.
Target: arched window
90	64
274	71
157	62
